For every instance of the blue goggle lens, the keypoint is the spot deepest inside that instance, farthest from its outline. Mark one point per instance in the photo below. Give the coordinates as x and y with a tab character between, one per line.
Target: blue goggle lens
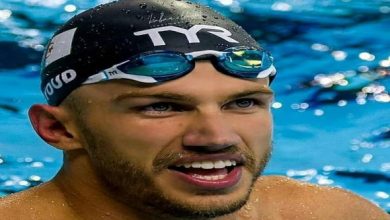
160	64
245	63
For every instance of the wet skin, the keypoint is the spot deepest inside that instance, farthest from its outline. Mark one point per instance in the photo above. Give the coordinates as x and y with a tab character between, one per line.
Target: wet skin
187	120
121	153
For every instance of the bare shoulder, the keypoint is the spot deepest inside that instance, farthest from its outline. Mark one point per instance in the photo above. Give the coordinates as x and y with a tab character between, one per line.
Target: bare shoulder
37	203
16	202
298	200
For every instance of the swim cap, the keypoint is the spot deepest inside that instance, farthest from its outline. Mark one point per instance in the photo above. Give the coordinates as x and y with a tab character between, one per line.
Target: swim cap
109	34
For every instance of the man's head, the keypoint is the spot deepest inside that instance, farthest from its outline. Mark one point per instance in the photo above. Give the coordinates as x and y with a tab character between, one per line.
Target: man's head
101	38
169	101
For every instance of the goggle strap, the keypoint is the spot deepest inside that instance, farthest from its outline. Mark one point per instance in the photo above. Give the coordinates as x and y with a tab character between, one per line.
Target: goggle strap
271	71
197	54
98	77
104	76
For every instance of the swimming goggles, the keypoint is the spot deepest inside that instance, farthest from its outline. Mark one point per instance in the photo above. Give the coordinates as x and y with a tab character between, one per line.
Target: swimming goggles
161	66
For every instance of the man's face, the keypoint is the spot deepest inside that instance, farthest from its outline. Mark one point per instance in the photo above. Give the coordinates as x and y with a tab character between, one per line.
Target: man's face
189	147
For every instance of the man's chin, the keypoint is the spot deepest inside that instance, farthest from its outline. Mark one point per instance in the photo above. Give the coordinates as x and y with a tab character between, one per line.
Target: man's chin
206	206
196	203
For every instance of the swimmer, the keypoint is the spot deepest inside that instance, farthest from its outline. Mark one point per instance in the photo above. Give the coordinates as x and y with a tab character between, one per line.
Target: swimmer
162	110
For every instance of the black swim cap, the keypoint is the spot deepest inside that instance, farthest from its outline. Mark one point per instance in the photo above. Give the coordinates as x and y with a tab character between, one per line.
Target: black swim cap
109	34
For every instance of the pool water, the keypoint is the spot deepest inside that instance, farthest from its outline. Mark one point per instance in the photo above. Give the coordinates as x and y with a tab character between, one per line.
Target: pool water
332	124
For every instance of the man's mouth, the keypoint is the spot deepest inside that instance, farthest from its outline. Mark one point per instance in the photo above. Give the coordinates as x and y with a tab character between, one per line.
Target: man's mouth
209	174
207	170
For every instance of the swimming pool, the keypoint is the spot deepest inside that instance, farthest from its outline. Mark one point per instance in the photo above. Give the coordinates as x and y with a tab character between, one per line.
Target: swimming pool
332	105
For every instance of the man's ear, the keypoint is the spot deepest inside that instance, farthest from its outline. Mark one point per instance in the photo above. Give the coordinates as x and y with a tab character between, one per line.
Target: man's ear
52	124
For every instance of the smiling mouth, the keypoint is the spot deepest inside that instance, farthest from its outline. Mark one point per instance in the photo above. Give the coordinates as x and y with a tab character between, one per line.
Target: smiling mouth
218	174
207	170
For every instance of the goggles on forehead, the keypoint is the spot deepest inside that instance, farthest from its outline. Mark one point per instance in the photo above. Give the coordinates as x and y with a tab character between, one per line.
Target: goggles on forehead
161	66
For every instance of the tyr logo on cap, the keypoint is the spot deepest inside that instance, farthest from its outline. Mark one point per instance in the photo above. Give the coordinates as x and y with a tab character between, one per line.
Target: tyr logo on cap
191	33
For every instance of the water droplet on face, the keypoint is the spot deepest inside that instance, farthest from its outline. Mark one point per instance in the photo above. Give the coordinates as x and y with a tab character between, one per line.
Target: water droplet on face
245	215
127	11
248	207
98	8
143	5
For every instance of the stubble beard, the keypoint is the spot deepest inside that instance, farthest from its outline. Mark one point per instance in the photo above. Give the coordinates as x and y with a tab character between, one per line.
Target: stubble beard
129	184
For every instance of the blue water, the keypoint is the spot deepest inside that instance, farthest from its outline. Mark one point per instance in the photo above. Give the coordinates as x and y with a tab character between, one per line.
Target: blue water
332	124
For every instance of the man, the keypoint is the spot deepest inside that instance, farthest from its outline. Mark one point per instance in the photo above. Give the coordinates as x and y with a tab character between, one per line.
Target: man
162	109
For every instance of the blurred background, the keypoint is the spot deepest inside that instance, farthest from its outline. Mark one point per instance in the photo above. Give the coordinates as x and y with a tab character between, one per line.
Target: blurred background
332	105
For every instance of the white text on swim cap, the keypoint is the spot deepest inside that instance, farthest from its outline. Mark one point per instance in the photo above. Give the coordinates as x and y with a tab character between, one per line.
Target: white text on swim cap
59	81
191	33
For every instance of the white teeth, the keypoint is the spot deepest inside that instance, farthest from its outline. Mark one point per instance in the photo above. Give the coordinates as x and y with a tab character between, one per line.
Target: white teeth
196	165
212	177
219	164
207	165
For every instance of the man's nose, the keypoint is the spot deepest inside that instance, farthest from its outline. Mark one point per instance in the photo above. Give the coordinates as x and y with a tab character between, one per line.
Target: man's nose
210	132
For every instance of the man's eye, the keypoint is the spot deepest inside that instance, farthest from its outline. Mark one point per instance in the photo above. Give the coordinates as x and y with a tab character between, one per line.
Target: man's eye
159	107
245	103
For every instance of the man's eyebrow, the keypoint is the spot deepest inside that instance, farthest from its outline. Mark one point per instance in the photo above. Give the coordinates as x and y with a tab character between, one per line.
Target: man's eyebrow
264	90
161	95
